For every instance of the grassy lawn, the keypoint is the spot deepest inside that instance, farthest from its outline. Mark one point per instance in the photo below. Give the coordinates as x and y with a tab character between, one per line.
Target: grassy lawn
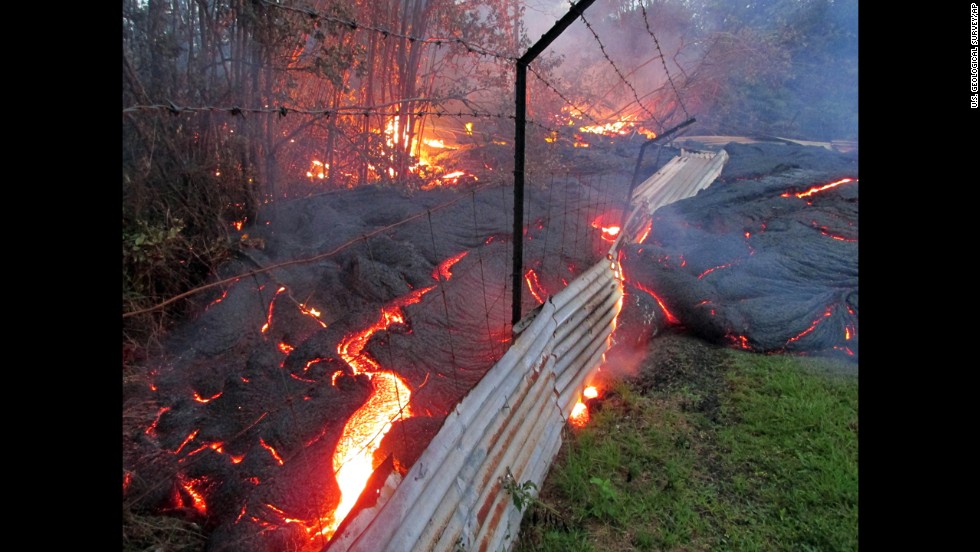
709	449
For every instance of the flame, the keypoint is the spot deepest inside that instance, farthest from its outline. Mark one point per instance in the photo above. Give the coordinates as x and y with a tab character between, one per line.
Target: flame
238	224
817	189
535	286
469	129
317	169
443	269
590	392
580	415
438	144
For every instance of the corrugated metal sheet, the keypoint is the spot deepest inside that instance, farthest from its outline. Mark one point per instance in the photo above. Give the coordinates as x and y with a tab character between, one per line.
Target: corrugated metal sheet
508	428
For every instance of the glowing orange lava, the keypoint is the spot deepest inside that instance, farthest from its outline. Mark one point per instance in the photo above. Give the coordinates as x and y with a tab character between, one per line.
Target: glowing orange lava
353	460
271	450
645	232
205	400
671	319
817	189
313	313
712	269
187	440
285	347
152	430
268	320
812	327
535	286
741	341
197	497
443	269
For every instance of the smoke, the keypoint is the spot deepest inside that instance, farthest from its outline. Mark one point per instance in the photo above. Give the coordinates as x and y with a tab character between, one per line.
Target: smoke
774	67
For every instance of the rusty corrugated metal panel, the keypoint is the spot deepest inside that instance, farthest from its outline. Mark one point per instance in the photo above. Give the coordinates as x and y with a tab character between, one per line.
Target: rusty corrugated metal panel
682	177
510	424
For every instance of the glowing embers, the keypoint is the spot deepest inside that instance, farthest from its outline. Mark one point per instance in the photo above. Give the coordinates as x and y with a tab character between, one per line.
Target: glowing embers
193	488
818	189
740	341
539	293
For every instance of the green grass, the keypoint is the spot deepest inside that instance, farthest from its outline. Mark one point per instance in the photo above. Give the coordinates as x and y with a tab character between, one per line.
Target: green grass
753	452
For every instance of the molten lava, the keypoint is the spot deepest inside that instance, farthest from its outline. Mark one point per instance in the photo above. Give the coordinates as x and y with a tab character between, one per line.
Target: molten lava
712	269
353	460
442	271
205	400
187	440
271	450
826	314
671	319
268	320
197	498
645	232
531	277
818	189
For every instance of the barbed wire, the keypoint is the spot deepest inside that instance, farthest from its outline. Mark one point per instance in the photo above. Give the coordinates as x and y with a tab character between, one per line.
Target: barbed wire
664	61
354	25
282	111
620	73
562	96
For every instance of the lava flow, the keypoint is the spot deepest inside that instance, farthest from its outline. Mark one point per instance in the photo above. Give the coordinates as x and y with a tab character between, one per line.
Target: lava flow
817	189
353	460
